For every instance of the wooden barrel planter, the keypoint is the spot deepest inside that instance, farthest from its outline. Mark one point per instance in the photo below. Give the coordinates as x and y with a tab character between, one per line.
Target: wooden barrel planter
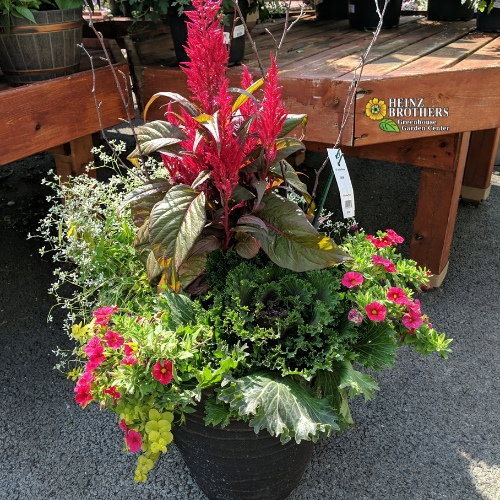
48	49
234	463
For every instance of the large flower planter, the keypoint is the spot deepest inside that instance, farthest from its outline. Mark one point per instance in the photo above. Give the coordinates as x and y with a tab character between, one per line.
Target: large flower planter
41	51
234	463
363	14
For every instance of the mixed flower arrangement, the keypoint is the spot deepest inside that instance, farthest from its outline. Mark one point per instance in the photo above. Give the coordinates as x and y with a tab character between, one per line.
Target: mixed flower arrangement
249	308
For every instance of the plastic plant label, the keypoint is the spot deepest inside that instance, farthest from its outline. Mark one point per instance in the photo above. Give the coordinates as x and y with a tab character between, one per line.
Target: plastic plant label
343	181
237	32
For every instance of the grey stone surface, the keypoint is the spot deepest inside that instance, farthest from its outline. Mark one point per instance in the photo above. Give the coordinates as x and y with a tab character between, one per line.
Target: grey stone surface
431	433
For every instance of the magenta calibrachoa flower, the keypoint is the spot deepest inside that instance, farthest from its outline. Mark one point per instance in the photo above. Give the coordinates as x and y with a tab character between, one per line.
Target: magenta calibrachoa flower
397	295
113	392
388	264
133	440
83	395
162	371
352	279
113	339
376	311
412	321
103	314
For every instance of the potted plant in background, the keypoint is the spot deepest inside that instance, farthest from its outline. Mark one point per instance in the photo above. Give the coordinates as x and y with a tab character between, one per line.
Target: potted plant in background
449	10
39	39
488	14
363	13
247	320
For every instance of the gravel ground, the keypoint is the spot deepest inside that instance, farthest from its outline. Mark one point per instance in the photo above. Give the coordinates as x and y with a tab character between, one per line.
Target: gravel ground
432	432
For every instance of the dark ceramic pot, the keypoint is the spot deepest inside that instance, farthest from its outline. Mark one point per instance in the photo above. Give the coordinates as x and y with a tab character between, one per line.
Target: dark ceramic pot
449	10
234	463
332	9
489	21
363	14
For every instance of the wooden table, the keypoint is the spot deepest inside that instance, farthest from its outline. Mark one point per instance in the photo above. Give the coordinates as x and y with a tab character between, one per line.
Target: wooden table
440	83
60	115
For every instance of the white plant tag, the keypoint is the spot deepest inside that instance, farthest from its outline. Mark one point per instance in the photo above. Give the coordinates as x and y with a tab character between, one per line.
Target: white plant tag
237	32
343	181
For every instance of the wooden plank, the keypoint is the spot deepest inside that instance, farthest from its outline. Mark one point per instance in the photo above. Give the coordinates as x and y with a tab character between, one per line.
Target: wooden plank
480	164
428	152
338	59
448	56
437	204
443	102
487	55
58	111
431	38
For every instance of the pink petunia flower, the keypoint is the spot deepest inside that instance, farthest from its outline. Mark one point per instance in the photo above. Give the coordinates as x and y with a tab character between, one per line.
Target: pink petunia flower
123	425
412	321
352	279
162	371
393	237
133	440
94	363
397	295
129	360
130	348
376	311
388	264
113	339
113	392
378	242
85	378
94	348
83	395
355	316
414	307
103	314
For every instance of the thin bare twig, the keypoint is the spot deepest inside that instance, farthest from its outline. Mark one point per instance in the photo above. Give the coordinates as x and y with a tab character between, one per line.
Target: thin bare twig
351	97
123	96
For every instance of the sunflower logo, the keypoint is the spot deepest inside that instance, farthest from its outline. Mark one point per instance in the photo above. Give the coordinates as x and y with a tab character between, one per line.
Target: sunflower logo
375	109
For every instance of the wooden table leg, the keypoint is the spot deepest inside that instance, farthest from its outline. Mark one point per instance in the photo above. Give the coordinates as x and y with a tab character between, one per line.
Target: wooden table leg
476	184
437	204
73	157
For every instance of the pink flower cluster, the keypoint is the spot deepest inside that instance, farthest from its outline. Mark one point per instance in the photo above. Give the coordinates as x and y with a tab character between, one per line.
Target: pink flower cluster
95	351
390	238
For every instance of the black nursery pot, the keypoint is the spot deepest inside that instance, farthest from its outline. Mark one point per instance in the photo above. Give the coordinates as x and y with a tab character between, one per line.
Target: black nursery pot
235	463
363	14
332	9
489	21
178	29
449	10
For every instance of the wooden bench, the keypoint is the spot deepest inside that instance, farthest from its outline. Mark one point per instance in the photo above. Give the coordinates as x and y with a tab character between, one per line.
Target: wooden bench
440	87
59	115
